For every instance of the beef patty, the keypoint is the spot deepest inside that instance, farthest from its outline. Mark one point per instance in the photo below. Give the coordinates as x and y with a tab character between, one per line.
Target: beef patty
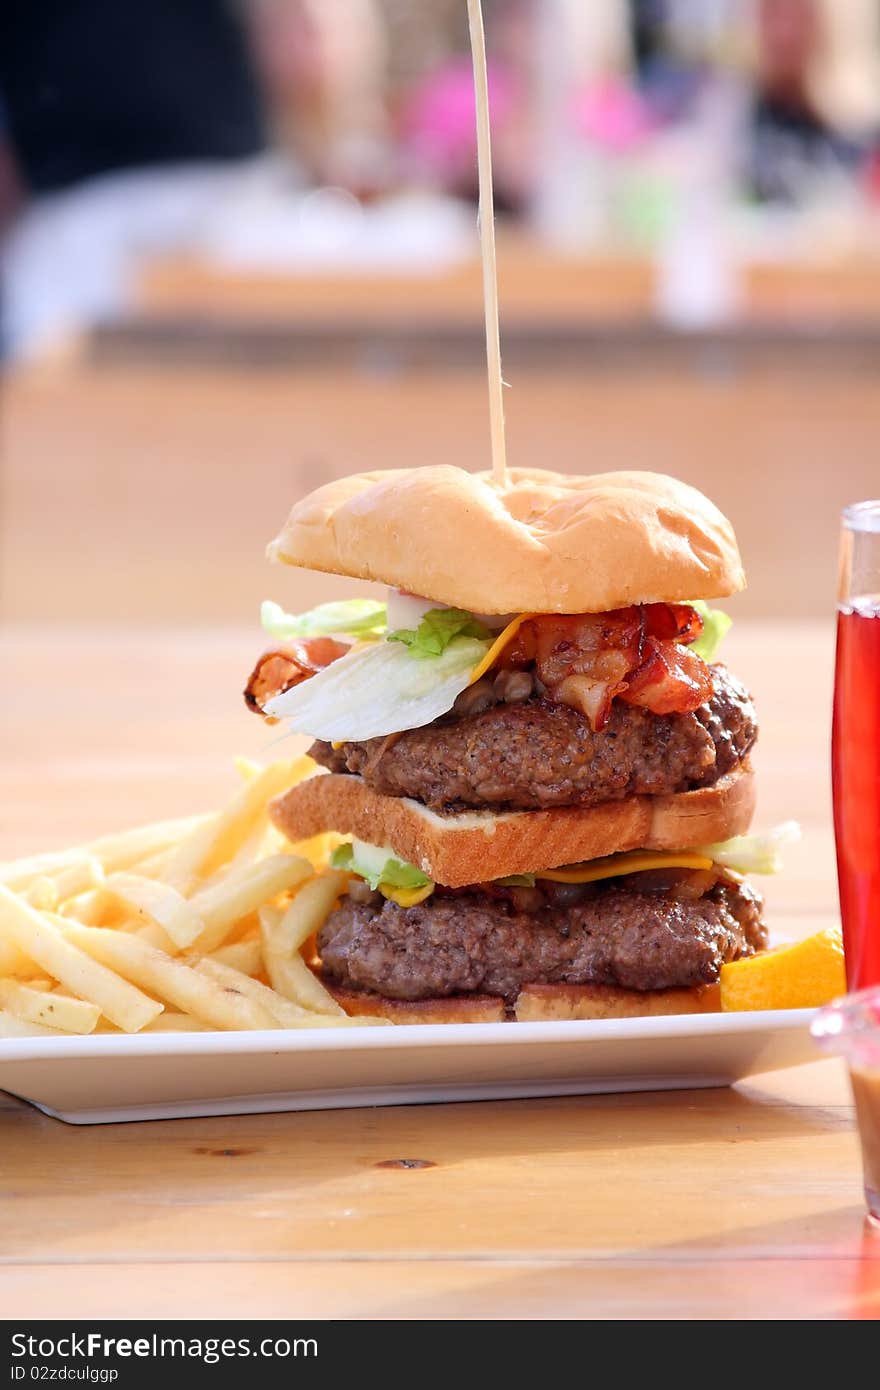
475	942
540	754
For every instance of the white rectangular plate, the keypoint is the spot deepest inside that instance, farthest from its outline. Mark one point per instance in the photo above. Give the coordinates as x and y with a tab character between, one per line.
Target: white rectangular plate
99	1080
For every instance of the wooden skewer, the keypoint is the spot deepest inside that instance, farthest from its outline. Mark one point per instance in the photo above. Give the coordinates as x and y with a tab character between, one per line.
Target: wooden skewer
487	244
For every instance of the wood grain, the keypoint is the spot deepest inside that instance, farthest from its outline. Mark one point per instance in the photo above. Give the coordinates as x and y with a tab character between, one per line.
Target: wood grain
677	1205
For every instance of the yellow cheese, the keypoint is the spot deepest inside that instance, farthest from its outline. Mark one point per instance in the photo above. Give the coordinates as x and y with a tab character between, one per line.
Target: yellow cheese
498	646
616	864
406	897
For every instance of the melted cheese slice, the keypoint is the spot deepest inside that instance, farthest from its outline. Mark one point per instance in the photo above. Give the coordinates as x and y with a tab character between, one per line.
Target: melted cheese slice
497	647
615	865
406	897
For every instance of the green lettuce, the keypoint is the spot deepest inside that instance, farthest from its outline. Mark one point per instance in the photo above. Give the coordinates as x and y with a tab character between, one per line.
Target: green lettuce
754	854
358	617
373	865
437	629
716	626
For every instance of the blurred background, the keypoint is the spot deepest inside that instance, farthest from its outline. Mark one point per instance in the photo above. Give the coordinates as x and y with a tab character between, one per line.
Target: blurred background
239	257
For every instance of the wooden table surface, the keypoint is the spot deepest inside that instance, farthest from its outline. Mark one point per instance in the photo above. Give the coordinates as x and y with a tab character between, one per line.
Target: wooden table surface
724	1203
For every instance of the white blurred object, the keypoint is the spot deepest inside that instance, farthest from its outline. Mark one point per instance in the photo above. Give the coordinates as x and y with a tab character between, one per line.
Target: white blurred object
73	258
698	282
578	44
266	226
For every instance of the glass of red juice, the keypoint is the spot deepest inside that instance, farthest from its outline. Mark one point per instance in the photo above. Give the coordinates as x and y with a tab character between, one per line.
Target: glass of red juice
855	743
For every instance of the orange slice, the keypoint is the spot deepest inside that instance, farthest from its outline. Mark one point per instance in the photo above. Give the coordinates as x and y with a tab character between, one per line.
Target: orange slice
801	976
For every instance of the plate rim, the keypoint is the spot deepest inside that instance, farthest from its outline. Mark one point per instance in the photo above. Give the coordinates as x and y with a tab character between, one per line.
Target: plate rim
101	1046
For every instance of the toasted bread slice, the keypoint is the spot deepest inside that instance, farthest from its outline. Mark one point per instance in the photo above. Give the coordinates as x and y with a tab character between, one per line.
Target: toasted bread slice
546	1003
536	1004
476	846
458	1008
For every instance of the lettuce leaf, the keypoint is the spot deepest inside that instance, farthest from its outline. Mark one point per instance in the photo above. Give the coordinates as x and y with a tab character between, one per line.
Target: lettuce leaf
437	629
359	617
378	689
371	865
754	854
716	626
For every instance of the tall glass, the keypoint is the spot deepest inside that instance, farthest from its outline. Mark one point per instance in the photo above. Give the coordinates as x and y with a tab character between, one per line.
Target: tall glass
855	744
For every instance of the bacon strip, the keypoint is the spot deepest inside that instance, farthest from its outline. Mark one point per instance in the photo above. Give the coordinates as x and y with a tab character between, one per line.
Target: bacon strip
284	667
635	654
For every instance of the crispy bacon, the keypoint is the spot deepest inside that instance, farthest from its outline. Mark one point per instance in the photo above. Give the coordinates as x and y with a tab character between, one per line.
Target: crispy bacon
636	654
670	680
284	667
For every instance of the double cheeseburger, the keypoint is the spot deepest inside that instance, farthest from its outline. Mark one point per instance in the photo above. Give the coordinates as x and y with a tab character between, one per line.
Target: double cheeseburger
532	764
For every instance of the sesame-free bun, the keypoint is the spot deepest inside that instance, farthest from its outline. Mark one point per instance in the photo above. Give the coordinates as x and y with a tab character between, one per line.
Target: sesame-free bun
534	1004
474	846
542	543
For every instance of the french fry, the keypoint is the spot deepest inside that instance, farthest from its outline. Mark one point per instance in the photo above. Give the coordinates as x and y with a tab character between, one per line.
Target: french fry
12	1027
290	976
218	839
285	1013
78	878
153	934
285	933
13	961
42	894
242	892
318	848
246	956
288	1013
176	1023
160	904
94	909
307	913
246	768
188	991
113	852
189	911
37	935
51	1010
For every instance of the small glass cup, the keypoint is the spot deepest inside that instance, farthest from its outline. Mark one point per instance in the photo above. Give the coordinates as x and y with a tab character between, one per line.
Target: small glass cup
850	1027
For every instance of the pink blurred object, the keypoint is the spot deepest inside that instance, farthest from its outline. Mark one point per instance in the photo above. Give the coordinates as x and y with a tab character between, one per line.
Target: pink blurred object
613	115
439	119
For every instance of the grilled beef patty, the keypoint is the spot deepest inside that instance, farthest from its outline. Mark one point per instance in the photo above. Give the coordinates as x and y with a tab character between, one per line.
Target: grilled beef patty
539	754
474	941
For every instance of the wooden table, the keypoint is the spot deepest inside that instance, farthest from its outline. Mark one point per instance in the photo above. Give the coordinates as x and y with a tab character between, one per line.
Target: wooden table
725	1203
121	486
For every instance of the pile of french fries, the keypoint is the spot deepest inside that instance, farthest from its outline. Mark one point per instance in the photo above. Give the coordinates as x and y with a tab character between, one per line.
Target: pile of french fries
183	926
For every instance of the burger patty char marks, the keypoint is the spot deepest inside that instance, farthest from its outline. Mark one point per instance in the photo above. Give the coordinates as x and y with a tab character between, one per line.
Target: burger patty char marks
538	754
475	942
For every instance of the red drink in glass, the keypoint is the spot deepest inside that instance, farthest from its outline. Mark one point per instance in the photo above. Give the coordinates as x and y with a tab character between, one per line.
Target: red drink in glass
856	744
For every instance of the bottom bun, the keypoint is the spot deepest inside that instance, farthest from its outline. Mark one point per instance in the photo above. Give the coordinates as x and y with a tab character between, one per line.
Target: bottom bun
458	1008
535	1004
549	1003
